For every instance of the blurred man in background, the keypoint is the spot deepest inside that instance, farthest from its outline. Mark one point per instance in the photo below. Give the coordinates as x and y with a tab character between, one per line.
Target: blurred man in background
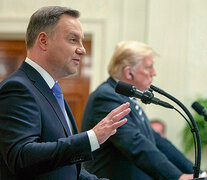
158	126
136	151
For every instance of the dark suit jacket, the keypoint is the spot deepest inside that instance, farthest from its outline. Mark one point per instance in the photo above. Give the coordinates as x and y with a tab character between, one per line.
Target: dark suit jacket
135	151
35	142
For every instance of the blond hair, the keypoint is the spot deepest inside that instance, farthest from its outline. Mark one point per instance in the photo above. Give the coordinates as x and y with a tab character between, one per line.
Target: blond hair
128	53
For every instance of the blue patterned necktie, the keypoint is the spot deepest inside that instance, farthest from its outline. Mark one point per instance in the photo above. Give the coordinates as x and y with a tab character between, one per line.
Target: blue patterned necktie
60	99
138	108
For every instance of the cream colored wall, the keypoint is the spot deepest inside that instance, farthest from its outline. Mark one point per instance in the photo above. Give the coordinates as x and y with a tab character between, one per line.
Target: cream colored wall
176	29
168	33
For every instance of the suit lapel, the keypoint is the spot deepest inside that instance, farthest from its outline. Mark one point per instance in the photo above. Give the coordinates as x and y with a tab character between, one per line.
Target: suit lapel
44	89
71	117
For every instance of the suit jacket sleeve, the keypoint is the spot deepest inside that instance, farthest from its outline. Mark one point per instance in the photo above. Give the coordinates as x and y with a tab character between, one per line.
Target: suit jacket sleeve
21	143
173	154
85	175
129	139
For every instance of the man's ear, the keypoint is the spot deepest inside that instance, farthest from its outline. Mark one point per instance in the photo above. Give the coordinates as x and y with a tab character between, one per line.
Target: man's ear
127	72
42	40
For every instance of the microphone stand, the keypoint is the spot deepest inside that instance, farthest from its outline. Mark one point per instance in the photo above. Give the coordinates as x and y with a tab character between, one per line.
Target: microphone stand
195	130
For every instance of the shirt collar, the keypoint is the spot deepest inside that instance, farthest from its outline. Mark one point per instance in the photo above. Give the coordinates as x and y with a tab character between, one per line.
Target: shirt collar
45	75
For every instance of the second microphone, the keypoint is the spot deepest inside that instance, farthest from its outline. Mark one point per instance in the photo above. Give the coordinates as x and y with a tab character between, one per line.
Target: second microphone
146	97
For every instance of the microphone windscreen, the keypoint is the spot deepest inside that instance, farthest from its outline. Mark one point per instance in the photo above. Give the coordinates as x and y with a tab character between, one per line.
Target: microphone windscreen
198	108
124	88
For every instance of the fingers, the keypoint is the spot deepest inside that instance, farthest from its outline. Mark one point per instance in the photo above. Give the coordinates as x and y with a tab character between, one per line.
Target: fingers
118	110
117	117
119	123
186	177
107	126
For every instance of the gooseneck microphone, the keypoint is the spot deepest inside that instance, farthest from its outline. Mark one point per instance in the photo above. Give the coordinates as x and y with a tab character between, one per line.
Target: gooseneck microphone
194	130
146	97
200	109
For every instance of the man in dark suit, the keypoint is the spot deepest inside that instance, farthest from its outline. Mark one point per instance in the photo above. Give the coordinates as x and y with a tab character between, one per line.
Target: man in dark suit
38	134
135	151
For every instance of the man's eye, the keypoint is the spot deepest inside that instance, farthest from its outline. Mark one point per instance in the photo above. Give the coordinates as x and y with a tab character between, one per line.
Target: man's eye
73	40
149	68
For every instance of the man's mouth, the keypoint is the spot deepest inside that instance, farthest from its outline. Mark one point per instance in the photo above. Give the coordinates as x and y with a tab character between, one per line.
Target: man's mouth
76	61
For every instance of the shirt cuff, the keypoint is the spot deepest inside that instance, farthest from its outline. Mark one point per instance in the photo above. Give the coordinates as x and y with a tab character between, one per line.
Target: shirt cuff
93	140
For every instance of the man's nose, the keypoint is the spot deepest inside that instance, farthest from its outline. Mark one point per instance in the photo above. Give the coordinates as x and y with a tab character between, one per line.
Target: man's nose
81	50
154	73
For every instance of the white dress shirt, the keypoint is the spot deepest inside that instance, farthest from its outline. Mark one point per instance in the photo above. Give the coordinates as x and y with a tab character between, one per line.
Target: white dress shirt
50	82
